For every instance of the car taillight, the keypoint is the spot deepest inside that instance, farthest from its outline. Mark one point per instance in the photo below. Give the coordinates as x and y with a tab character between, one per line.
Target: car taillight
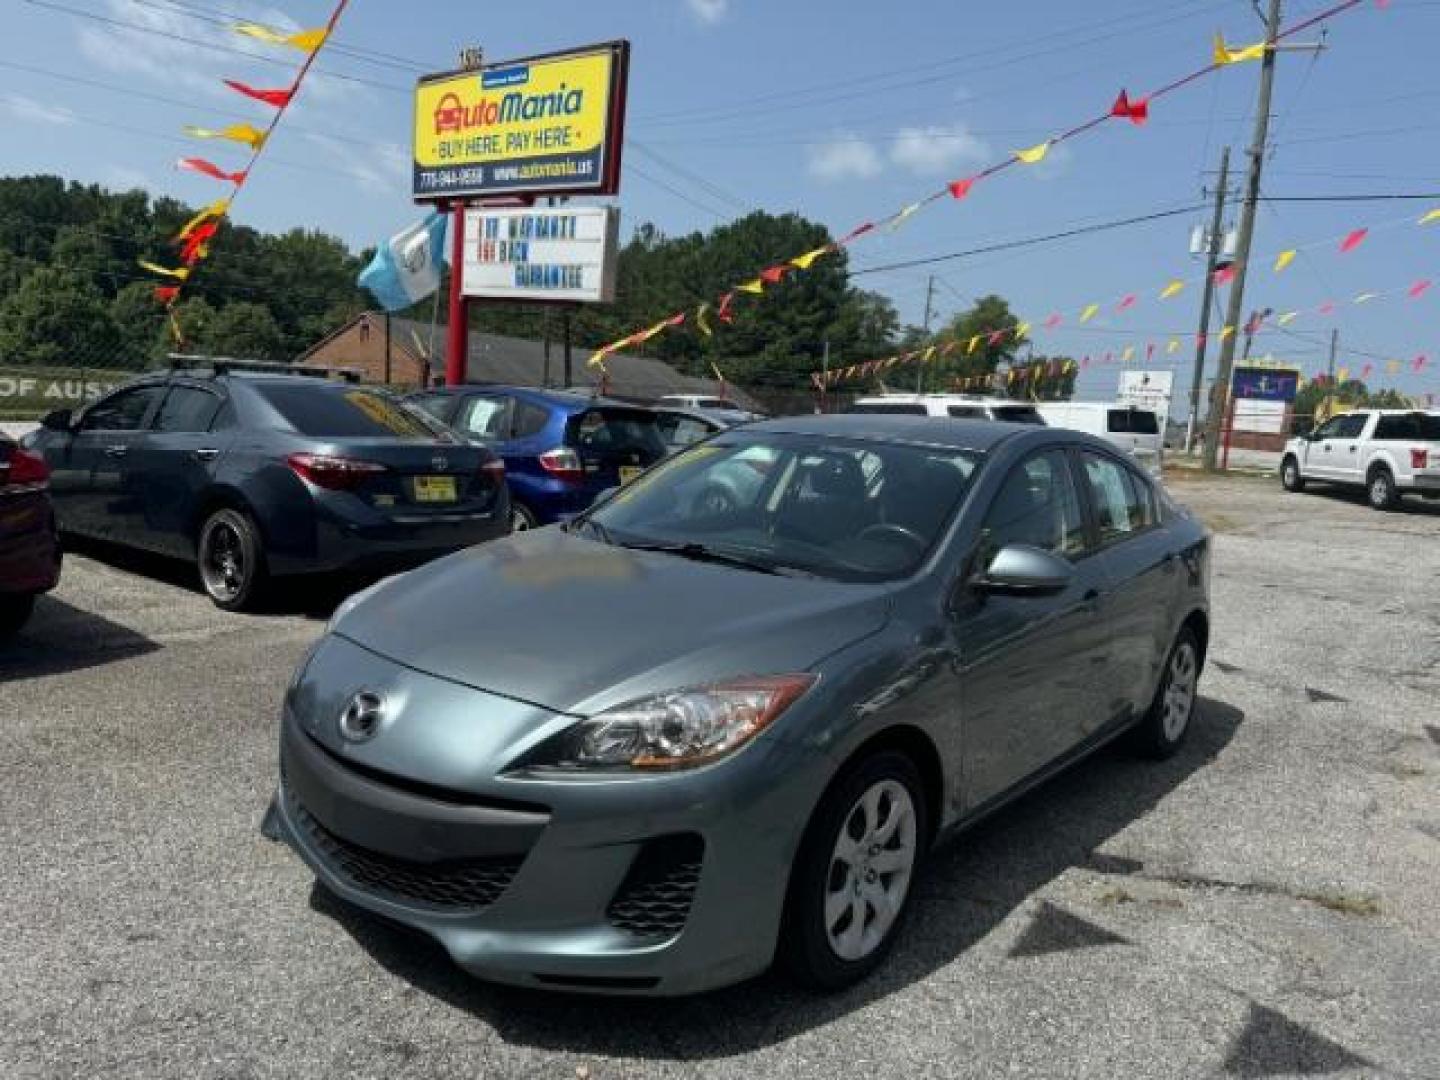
562	463
24	470
1419	457
334	473
493	470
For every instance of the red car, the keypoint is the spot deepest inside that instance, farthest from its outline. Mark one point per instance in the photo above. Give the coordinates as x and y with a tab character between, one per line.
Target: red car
29	547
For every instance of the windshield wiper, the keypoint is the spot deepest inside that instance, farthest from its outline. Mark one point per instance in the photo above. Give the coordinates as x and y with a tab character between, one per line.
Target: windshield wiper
601	532
701	553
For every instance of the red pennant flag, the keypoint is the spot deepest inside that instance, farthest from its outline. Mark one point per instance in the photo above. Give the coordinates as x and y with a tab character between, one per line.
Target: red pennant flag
1137	112
1052	322
1108	357
1418	363
724	312
950	346
960	188
1354	240
1085	361
996	335
1326	308
1128	302
676	320
166	293
205	168
1419	288
1150	351
191	249
1200	340
774	274
1225	275
859	230
278	98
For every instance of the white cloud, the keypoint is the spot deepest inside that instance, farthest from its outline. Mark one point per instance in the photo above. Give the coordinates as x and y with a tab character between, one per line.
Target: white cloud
844	157
708	11
35	112
379	168
936	148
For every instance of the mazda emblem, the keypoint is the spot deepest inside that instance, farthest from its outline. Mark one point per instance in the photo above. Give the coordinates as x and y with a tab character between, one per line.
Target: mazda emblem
360	719
439	463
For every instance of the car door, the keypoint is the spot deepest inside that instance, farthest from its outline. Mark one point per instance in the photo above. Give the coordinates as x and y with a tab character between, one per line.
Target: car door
1141	570
1319	450
1348	466
97	500
1032	668
174	463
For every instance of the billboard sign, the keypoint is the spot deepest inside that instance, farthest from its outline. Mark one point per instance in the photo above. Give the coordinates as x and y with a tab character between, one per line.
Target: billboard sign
542	125
1260	415
1149	390
558	253
1266	383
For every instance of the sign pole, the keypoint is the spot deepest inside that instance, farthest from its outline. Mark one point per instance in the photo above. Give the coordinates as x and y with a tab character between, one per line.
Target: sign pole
457	335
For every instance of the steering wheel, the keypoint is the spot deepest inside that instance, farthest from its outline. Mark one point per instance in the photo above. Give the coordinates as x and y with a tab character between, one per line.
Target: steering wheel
885	530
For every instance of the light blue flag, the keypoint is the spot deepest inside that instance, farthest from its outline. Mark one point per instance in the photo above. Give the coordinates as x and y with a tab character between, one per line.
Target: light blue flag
407	267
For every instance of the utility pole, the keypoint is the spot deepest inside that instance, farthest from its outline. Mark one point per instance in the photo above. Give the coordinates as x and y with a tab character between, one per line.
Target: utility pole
1334	349
1220	391
1212	259
920	367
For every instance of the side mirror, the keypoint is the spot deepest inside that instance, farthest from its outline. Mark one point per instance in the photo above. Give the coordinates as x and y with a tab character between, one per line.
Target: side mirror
1022	570
59	420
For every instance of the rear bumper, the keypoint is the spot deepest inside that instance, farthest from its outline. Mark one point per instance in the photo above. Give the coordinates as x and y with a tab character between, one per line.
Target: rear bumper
29	551
1424	483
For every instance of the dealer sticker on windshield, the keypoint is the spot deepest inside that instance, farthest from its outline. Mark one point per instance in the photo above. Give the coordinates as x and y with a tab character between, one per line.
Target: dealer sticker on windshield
629	472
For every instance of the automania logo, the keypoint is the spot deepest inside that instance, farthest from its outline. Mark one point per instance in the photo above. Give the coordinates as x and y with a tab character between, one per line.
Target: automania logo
454	116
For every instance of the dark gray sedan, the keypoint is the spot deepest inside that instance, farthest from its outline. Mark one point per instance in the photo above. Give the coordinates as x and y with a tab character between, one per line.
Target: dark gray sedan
677	739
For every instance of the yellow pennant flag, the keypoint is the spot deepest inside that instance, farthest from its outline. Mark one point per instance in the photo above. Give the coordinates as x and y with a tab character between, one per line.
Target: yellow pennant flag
974	341
1365	297
928	355
1285	319
1022	329
757	287
1343	375
216	209
1172	289
1284	259
1392	367
179	273
804	261
1430	215
1090	312
304	40
1035	154
1173	346
1223	54
244	133
1226	332
1127	354
702	320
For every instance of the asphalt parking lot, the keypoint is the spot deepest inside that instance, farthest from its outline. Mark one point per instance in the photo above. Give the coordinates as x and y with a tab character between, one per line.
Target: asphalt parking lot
1264	904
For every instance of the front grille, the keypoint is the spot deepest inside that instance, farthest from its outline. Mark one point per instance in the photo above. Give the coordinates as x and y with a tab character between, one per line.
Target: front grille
654	899
452	886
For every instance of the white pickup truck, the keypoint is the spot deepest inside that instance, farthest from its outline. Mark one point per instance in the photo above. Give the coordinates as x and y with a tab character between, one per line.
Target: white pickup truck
1388	452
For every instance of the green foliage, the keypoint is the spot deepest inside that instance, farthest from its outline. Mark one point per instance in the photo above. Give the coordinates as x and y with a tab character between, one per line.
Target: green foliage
55	316
989	314
242	329
1351	394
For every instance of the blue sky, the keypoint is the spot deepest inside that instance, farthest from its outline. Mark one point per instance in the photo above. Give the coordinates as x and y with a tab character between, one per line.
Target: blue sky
842	111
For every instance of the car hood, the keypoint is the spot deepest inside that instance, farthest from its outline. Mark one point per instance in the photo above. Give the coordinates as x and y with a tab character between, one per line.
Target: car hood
578	626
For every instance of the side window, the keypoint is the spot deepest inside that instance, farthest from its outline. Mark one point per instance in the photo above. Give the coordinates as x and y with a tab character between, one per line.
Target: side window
528	420
1330	429
186	409
437	405
224	419
1351	425
124	411
1122	500
1037	505
966	412
484	417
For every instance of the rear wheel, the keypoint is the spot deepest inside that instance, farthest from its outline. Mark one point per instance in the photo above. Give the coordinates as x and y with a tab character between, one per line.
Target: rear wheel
522	518
231	560
1167	723
851	884
1381	490
1290	478
14	613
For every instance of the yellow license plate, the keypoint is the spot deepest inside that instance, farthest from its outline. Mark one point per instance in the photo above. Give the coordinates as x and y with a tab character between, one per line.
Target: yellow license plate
434	489
629	472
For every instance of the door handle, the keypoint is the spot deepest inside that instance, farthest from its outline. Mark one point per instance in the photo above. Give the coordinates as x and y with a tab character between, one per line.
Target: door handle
207	453
1352	449
117	451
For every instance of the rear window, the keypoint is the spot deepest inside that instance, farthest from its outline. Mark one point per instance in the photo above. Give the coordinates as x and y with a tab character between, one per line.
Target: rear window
1132	422
889	408
1019	414
1416	425
327	413
605	432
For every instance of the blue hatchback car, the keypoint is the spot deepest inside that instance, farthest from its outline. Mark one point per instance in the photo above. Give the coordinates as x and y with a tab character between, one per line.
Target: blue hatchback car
561	448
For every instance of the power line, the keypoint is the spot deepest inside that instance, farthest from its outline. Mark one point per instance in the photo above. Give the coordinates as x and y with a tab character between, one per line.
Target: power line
684	196
709	187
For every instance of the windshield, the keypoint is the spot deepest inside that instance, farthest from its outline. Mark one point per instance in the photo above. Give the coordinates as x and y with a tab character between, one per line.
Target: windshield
842	509
324	412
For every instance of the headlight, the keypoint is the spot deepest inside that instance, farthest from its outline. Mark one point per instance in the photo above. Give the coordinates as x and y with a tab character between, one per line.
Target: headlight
676	730
354	600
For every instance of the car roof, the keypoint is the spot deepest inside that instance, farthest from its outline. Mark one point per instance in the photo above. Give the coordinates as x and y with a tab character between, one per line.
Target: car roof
884	427
955	399
576	400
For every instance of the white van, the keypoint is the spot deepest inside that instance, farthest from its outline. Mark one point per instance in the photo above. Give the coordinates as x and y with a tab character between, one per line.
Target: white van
962	406
1137	430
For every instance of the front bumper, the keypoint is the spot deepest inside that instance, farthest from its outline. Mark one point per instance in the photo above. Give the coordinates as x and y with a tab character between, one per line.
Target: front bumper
665	885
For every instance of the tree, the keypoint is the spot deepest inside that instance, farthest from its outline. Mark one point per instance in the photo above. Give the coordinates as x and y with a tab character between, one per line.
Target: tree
245	331
57	318
140	325
979	325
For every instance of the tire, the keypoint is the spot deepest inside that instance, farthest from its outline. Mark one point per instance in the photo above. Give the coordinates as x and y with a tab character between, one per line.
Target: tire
522	518
231	560
15	612
1380	489
1168	720
1290	478
819	946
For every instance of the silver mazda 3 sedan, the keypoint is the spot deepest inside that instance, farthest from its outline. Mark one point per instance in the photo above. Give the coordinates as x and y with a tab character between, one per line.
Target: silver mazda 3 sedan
681	737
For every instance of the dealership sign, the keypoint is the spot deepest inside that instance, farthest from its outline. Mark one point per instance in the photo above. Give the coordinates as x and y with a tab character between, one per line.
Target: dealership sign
1266	383
16	387
1148	390
542	254
541	125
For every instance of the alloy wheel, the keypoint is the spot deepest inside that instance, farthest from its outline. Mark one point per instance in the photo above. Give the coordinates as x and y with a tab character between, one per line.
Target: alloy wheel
1179	700
870	870
223	565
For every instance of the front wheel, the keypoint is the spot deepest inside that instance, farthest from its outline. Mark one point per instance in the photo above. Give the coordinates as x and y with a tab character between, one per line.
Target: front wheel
1290	478
1165	726
231	560
522	518
1381	490
851	884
